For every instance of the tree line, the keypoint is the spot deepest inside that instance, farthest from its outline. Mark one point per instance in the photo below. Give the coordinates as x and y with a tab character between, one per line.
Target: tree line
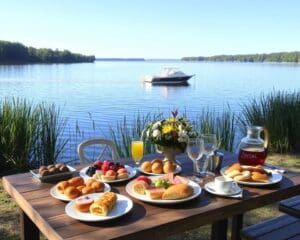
14	52
271	57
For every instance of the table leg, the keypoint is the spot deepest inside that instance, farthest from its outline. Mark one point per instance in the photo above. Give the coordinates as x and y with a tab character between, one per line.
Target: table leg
237	225
219	230
28	229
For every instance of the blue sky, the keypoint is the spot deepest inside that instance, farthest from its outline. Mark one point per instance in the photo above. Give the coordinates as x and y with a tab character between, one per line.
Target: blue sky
154	28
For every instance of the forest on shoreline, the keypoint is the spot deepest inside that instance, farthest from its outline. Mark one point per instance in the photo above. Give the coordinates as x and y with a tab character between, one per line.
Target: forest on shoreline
17	53
271	57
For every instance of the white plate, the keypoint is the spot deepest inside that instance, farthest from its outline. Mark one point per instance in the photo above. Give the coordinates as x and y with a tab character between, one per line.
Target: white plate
275	178
123	206
132	193
56	194
177	170
210	187
131	172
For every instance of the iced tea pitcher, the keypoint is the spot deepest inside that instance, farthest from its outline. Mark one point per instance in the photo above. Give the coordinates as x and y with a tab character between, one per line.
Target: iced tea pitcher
253	149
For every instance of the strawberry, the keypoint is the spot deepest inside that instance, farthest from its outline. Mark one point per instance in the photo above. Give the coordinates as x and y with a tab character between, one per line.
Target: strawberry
98	164
105	166
145	179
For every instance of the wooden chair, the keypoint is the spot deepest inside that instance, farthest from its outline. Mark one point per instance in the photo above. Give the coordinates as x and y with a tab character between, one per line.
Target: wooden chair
291	206
107	144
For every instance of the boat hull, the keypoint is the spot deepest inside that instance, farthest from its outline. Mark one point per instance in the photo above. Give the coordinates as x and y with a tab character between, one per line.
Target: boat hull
180	80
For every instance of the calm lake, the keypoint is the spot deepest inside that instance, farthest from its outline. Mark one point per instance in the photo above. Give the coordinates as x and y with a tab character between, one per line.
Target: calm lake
105	92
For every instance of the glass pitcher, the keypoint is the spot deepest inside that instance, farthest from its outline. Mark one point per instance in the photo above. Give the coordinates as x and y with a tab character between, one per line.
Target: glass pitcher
253	149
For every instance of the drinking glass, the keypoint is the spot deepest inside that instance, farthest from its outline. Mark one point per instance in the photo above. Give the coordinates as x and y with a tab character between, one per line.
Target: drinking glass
137	150
195	150
210	145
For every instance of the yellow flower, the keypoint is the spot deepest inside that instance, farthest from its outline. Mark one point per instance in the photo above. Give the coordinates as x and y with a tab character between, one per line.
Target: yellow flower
171	120
166	129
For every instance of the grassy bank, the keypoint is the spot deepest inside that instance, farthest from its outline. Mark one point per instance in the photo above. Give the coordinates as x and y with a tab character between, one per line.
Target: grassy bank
9	223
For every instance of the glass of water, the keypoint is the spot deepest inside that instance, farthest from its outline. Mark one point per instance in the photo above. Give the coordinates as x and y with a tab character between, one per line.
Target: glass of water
210	145
195	150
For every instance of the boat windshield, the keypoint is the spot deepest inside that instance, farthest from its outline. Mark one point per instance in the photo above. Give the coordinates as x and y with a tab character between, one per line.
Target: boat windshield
168	71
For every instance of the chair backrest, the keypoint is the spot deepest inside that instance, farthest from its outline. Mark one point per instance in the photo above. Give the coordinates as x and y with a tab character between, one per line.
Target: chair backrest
106	142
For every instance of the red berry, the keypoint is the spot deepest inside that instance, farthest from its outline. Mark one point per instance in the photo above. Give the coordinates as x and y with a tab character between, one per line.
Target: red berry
145	179
98	163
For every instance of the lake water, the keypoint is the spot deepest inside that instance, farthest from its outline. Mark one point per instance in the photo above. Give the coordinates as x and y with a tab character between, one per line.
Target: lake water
108	91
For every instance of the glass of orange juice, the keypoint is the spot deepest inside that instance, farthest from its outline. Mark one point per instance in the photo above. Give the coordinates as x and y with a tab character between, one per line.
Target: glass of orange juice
137	150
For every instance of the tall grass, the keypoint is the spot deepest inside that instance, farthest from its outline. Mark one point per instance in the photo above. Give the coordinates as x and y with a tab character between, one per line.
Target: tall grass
125	131
222	124
280	113
29	134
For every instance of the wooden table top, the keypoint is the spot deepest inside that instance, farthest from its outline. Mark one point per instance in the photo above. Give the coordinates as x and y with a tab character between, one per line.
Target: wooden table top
144	220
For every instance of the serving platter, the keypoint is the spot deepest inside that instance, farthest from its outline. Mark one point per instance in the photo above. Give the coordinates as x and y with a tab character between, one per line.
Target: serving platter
131	173
144	198
275	178
123	206
56	194
54	177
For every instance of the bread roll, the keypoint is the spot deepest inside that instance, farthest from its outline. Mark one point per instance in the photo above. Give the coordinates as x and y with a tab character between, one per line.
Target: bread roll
235	166
146	167
244	176
61	186
123	176
169	167
104	204
76	181
72	192
259	177
97	186
157	168
156	161
87	190
140	187
233	173
178	191
154	193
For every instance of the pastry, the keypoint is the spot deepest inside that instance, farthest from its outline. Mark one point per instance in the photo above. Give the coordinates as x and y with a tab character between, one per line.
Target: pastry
104	204
233	173
72	192
107	178
259	177
156	161
123	176
157	167
61	186
178	191
76	181
235	166
154	193
83	204
169	167
42	168
140	187
45	172
146	167
244	176
80	187
90	181
97	186
87	190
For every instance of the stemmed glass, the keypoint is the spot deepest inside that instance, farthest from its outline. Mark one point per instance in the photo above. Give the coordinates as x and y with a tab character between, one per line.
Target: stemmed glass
137	150
210	145
195	150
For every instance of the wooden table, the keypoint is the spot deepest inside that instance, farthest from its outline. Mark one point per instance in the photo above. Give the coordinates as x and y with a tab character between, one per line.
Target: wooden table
41	212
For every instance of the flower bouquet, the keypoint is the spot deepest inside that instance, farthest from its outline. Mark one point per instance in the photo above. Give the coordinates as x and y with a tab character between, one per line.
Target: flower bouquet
169	135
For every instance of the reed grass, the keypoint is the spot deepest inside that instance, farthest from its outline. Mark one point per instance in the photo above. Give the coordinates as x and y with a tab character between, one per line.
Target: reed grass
29	134
222	124
279	112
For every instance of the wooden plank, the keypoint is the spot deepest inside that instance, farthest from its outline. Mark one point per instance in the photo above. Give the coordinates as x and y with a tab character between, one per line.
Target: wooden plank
237	225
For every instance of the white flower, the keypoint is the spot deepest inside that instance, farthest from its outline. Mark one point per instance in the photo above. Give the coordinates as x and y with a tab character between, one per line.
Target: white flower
148	133
182	136
156	133
156	125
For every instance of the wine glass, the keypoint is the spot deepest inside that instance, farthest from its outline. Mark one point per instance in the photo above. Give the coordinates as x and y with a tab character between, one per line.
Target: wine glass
195	150
137	150
210	145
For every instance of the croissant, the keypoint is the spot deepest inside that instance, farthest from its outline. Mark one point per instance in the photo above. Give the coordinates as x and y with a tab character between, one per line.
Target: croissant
104	204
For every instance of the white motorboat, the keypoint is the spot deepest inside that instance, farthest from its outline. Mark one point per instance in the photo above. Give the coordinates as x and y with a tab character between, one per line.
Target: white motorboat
168	76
